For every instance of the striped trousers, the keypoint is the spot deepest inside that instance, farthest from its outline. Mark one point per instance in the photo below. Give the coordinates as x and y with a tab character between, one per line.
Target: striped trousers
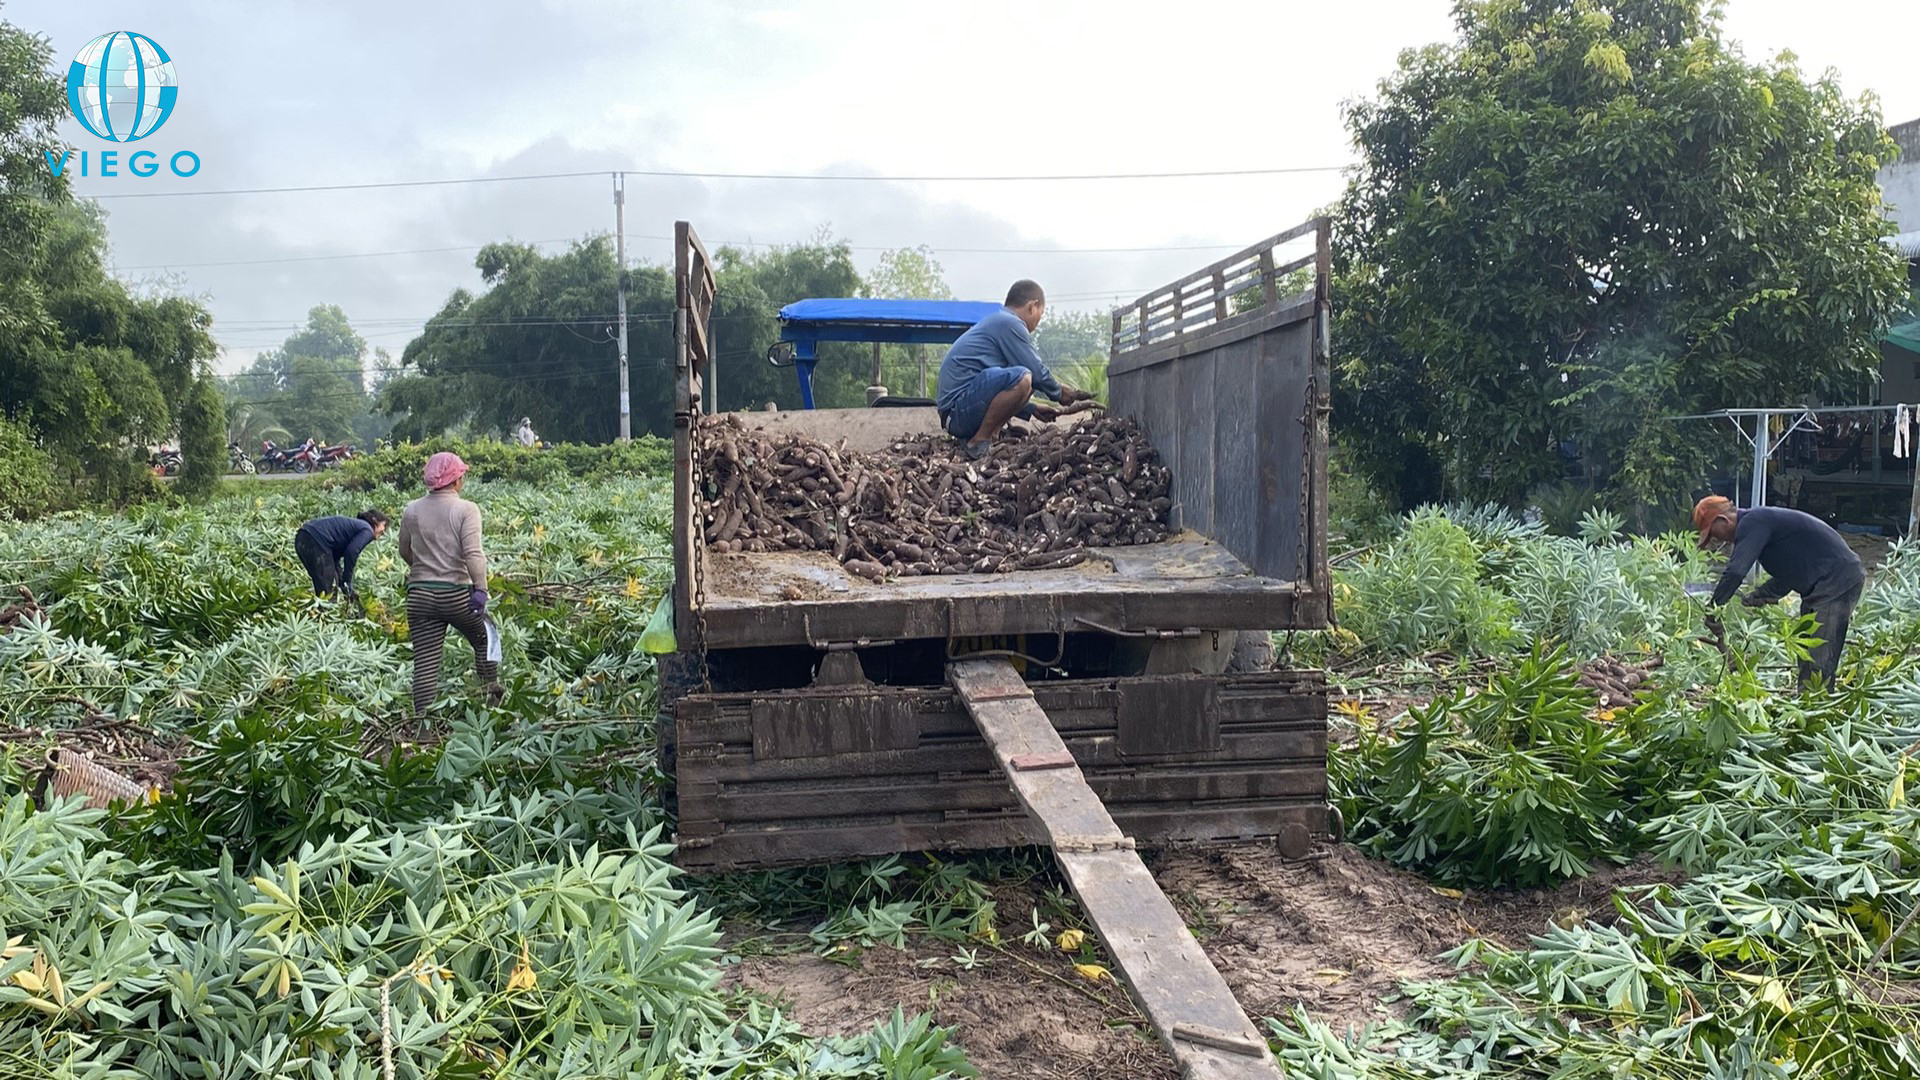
429	613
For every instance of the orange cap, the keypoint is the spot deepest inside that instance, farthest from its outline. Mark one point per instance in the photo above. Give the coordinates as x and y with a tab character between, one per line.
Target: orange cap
1709	510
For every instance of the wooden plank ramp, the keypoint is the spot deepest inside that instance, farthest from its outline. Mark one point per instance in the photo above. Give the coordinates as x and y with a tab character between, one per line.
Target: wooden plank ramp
1161	964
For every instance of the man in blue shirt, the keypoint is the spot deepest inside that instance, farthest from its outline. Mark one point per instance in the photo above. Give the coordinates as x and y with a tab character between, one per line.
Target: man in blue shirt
1804	555
330	547
991	372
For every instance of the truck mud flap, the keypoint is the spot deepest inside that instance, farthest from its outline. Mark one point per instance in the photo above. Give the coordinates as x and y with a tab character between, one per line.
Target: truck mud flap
800	776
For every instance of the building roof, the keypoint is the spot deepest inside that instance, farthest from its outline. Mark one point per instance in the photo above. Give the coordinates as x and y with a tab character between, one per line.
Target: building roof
1906	243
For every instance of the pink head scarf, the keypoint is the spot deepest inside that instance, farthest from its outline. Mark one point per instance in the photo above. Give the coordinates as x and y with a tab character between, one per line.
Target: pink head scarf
443	469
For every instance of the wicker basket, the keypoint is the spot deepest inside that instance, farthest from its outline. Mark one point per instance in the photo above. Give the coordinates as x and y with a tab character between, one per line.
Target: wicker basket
69	773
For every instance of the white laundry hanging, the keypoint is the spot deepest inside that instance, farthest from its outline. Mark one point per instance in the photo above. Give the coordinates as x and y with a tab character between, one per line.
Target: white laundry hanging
1902	417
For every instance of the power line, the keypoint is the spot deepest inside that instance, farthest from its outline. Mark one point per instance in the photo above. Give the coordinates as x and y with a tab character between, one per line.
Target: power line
516	379
1189	174
398	323
328	258
937	250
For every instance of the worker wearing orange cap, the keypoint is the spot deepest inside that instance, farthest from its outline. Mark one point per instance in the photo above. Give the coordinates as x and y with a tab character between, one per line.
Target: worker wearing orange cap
1801	554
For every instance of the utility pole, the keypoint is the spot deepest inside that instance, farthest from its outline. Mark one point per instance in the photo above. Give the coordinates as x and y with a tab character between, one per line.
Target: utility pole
620	255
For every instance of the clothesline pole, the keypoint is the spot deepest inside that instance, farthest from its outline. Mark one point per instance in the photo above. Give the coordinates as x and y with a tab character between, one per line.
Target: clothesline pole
1913	508
1762	436
1876	448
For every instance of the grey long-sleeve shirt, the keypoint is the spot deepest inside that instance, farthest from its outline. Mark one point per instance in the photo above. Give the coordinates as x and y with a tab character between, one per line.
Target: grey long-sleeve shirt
997	341
440	541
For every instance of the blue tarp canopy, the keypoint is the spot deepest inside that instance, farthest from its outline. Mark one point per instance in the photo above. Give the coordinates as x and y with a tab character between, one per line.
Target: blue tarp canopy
806	323
902	322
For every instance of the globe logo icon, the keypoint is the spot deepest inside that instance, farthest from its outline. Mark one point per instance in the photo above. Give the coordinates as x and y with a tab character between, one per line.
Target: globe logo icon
121	86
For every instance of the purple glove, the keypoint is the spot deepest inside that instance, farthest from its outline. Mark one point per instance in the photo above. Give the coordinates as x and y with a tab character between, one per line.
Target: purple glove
479	601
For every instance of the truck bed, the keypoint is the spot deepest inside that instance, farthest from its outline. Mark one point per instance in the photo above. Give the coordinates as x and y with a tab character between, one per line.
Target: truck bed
803	597
1227	378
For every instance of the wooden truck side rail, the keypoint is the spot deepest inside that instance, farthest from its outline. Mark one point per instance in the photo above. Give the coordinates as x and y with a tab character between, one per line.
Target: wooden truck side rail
693	302
1228	374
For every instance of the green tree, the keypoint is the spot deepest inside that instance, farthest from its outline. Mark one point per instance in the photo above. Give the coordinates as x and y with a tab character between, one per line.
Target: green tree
540	343
203	418
1071	337
908	274
781	275
28	486
1581	218
314	384
373	425
1075	345
34	103
250	422
93	371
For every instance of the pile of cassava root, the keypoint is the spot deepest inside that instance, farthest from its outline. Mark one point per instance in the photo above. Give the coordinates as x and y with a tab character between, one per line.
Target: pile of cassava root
921	507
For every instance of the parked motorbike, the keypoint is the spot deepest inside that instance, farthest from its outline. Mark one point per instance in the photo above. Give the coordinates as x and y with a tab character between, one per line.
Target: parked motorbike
165	462
331	456
273	457
277	458
305	457
238	461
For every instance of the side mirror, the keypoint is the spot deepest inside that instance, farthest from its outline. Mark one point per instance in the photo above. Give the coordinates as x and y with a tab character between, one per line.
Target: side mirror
780	354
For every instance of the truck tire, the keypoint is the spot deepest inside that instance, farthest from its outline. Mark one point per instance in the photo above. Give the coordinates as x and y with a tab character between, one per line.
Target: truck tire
1252	652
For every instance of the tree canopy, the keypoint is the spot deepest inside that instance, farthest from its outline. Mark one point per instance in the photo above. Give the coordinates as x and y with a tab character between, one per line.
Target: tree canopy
1582	218
95	372
314	385
539	341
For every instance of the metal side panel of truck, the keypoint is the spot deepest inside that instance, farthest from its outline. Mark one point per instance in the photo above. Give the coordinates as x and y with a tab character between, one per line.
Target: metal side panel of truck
808	715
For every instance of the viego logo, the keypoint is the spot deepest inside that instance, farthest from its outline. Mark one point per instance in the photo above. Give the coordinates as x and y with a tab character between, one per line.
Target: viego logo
122	88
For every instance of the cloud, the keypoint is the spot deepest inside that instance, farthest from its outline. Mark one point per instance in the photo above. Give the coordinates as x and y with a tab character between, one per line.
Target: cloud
358	91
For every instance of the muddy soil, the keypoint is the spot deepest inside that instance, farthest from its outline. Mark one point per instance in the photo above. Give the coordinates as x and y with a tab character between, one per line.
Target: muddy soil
1335	933
1013	1020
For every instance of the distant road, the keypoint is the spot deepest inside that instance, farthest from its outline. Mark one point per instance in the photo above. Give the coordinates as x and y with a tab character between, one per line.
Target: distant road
244	477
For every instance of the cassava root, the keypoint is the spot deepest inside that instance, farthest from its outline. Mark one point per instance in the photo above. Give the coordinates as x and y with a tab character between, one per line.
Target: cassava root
921	507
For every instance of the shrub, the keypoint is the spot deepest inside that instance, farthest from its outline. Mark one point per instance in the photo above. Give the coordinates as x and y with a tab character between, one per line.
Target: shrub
400	466
28	486
203	423
1425	593
1511	786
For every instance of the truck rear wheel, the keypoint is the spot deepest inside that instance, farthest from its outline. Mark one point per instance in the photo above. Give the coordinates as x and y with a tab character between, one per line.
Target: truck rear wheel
1252	652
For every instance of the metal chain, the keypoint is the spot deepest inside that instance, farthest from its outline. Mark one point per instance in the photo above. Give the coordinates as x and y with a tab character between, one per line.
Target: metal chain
1321	351
700	561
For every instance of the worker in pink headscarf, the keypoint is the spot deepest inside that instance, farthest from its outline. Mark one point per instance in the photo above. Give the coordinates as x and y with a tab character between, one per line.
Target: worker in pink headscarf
446	579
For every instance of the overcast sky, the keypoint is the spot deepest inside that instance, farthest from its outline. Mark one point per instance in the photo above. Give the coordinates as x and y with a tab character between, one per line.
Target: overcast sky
276	95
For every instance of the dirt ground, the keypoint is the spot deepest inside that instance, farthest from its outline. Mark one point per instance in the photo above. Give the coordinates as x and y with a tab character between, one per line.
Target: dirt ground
1335	933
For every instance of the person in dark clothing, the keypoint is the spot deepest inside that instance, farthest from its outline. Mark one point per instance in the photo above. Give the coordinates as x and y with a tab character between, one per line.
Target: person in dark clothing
329	548
992	371
1803	554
